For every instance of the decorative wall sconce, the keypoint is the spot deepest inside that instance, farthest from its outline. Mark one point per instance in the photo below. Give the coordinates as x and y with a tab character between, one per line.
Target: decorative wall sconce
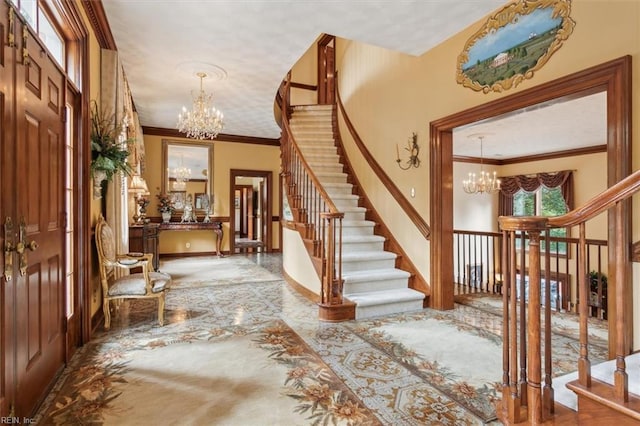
414	150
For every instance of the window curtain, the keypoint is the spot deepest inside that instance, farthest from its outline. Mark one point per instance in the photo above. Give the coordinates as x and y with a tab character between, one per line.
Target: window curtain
115	100
511	184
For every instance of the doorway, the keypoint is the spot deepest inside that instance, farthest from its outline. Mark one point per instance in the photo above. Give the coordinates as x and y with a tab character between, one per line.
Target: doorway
250	218
614	78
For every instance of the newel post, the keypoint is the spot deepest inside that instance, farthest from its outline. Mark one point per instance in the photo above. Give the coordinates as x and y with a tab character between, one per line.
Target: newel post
533	399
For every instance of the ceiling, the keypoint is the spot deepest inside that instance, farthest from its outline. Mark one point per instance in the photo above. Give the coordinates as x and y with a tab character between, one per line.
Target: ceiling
248	46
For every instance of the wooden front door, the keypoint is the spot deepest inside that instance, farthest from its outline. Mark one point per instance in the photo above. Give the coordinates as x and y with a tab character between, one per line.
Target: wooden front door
32	185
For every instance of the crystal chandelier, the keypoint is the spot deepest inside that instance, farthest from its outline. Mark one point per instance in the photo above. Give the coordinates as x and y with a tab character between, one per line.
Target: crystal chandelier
203	121
181	175
486	183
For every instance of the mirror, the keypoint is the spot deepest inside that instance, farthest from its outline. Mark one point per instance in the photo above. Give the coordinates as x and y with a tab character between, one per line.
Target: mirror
186	173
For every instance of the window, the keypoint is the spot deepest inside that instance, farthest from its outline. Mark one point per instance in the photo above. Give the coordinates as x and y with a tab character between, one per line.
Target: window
543	202
44	26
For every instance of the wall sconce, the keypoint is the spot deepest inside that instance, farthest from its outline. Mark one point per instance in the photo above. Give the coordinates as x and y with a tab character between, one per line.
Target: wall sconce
414	150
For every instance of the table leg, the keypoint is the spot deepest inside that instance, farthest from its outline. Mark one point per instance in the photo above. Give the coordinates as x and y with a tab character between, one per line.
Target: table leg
218	233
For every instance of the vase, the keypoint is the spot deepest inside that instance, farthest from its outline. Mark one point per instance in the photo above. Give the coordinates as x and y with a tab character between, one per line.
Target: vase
166	217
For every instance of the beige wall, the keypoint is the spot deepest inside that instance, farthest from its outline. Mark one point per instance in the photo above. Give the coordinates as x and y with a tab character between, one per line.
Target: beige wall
388	95
226	156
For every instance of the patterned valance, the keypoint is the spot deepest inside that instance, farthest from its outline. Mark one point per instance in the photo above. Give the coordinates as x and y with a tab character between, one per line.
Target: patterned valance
510	185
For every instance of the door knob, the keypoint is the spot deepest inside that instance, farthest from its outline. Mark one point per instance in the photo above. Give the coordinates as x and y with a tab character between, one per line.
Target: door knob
9	248
22	246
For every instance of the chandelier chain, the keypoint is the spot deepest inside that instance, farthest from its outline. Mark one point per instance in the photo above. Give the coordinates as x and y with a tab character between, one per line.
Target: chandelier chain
486	183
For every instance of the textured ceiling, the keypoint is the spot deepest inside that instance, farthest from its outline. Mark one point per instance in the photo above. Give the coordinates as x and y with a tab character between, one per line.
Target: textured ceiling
578	123
249	46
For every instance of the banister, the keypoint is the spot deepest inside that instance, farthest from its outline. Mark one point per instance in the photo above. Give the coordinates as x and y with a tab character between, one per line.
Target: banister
540	406
598	204
314	179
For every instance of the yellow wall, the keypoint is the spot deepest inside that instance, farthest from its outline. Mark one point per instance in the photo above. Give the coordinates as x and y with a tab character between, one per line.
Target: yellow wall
226	156
389	94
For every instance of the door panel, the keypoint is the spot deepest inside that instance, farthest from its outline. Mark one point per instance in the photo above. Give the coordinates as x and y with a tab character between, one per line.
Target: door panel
39	200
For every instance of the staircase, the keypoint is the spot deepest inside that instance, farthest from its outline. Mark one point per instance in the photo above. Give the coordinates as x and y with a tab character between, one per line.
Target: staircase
370	277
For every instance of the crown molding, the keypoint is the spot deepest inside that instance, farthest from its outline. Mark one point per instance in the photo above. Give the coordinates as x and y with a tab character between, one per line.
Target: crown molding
100	24
529	158
173	133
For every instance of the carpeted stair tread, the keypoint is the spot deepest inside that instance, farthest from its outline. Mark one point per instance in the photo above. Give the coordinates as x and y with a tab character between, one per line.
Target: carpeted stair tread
374	275
358	256
383	297
362	238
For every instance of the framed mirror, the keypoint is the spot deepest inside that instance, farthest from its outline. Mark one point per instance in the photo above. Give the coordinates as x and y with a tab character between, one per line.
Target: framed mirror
187	170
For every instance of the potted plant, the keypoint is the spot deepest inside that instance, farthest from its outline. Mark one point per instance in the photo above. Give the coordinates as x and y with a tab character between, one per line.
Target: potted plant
108	153
165	207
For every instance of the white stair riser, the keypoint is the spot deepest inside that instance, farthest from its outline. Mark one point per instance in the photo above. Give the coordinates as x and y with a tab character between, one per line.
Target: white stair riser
326	168
322	158
350	247
338	189
345	203
357	230
367	265
387	309
378	285
314	140
318	149
354	215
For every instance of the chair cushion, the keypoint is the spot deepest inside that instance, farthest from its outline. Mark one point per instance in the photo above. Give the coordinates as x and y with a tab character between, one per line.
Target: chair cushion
134	284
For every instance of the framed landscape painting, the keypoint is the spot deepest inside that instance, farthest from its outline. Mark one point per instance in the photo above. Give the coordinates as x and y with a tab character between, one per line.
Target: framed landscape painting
515	42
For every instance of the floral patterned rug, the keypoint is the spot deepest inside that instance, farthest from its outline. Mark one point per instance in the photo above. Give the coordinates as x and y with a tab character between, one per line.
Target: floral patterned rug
459	352
277	379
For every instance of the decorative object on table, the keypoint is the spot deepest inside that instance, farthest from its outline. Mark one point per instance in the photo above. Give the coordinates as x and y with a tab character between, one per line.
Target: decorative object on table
514	43
205	204
142	202
165	207
138	187
187	213
203	121
109	149
414	150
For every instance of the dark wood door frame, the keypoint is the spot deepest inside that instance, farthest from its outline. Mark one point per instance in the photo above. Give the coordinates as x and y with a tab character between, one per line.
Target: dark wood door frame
326	70
266	207
614	78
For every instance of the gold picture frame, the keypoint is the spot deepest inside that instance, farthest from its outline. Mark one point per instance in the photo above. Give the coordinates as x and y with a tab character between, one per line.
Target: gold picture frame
514	43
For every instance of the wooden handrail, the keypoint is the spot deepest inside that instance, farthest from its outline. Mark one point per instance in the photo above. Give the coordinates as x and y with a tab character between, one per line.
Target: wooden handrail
539	402
395	192
318	219
598	204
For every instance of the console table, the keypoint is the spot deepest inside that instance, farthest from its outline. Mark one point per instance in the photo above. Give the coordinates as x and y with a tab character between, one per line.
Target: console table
144	239
216	227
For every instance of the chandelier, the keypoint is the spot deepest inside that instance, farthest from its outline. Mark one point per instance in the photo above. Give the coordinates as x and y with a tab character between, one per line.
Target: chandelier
181	175
485	183
203	121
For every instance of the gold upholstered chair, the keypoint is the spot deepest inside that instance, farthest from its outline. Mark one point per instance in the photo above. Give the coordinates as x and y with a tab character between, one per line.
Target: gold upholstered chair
145	284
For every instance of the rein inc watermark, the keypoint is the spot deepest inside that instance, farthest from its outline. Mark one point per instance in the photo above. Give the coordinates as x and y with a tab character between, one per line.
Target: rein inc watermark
17	420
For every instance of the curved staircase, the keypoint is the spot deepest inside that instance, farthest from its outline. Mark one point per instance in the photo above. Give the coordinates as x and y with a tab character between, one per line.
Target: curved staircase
371	279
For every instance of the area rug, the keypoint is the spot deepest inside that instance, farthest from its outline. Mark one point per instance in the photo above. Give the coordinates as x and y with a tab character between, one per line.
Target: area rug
202	271
459	360
564	323
151	378
459	352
